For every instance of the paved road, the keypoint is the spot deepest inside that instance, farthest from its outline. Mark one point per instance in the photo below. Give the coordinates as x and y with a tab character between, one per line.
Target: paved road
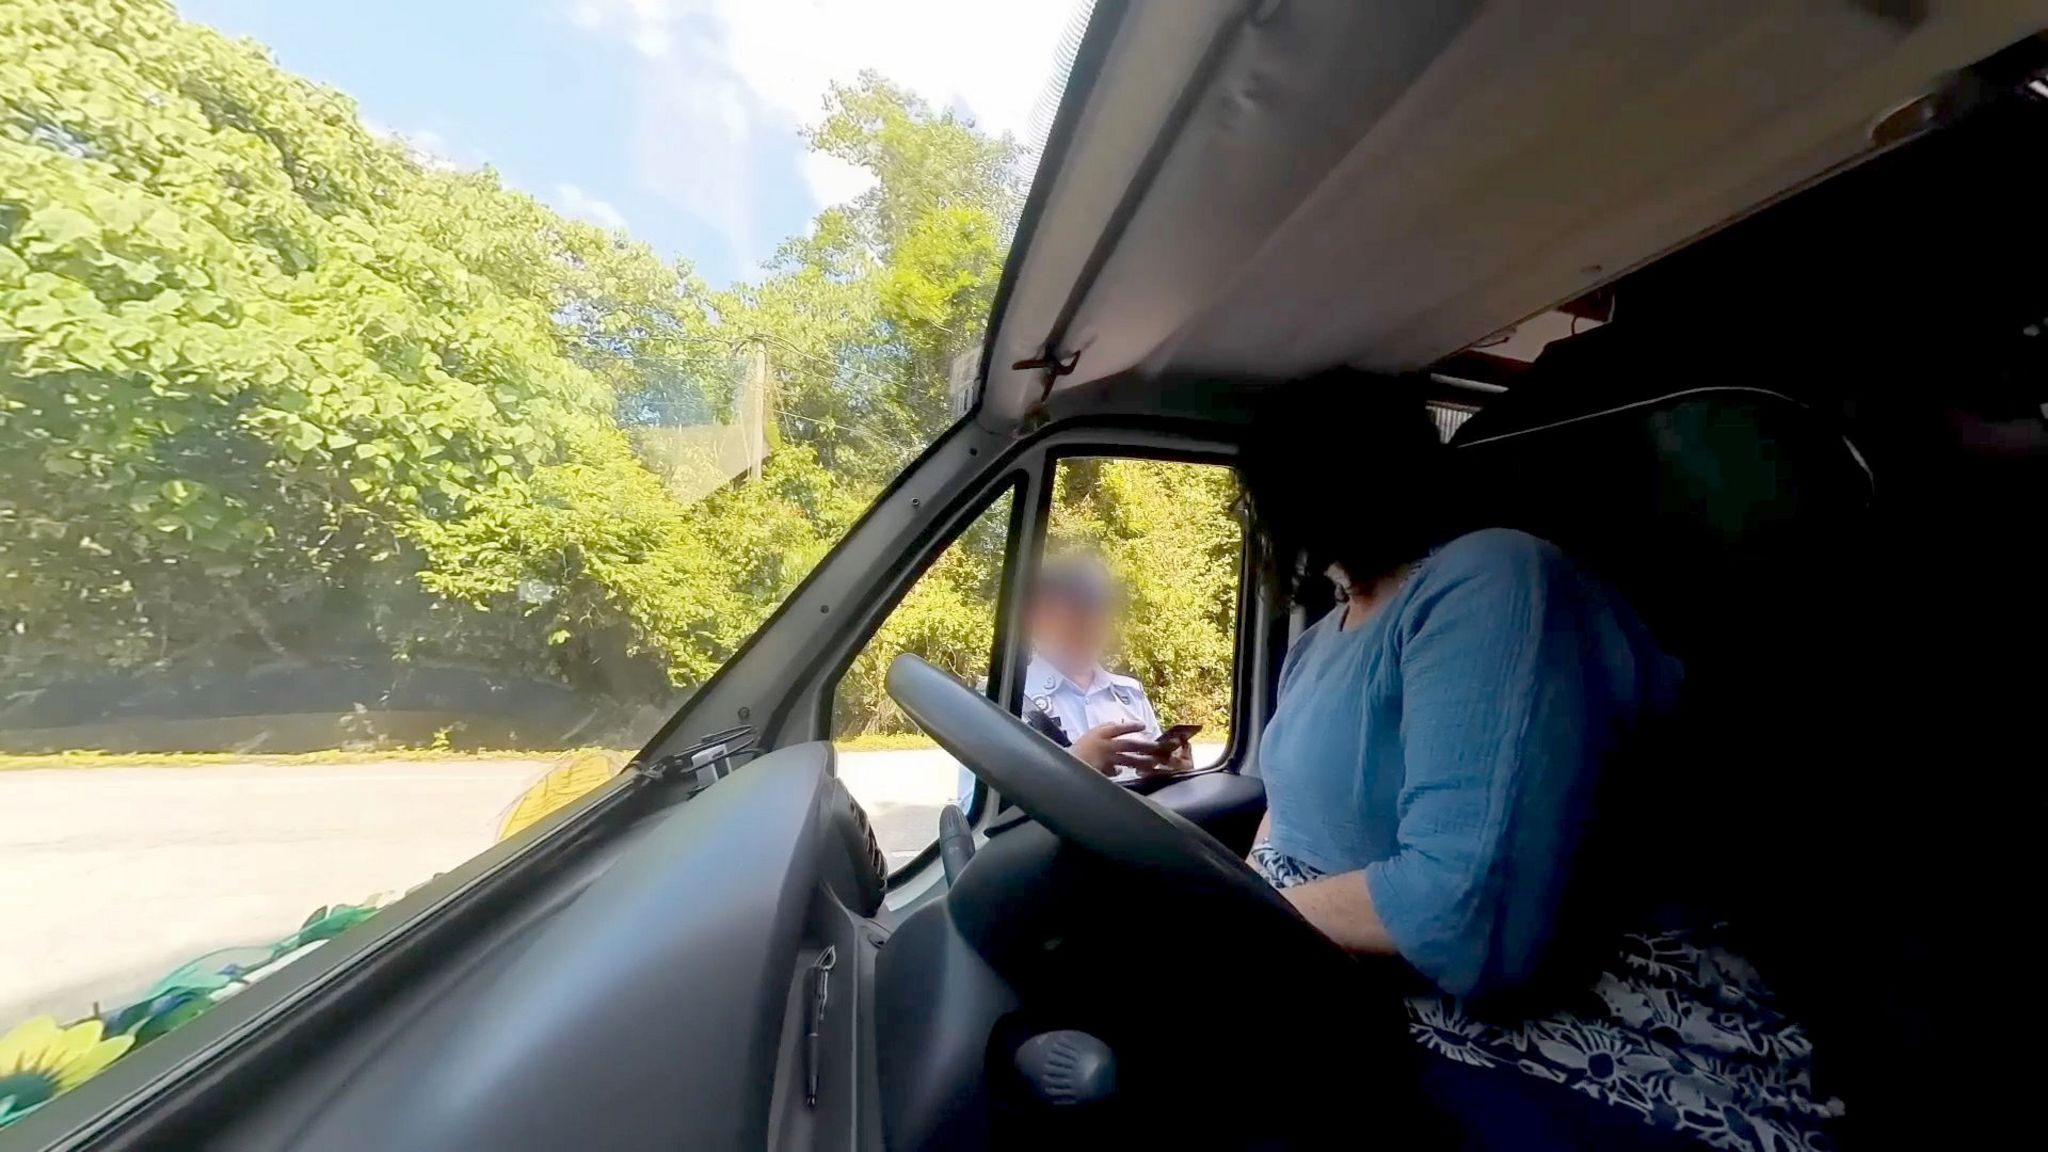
111	877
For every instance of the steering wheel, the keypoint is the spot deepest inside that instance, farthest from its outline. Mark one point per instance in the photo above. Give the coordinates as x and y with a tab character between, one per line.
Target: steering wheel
1327	1000
1068	798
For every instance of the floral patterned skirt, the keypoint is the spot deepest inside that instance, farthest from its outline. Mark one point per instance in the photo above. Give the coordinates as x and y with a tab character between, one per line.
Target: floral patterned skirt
1677	1029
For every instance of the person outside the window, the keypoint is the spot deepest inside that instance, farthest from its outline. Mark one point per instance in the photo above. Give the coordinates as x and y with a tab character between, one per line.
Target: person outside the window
1102	717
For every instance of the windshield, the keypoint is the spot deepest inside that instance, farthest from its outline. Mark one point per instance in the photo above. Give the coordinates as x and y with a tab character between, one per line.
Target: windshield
404	407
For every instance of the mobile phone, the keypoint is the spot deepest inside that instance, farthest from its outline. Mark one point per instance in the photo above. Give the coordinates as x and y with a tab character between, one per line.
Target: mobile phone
1178	735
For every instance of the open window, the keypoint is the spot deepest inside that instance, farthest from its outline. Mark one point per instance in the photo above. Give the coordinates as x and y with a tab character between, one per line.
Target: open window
1128	616
1131	620
948	617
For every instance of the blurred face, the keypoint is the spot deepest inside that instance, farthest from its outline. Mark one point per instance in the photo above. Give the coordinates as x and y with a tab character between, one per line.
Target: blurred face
1070	631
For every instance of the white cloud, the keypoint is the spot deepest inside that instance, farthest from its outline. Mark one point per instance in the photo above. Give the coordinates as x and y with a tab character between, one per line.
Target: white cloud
690	146
832	180
574	201
652	42
717	77
428	148
992	57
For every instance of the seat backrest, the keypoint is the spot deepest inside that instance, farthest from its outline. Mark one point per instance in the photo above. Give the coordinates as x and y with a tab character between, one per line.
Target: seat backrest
1738	521
1706	500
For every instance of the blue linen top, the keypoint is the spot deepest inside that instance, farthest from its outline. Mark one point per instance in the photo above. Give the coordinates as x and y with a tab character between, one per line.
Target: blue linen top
1449	746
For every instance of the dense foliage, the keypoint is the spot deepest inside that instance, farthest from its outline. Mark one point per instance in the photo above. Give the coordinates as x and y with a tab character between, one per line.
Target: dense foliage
273	388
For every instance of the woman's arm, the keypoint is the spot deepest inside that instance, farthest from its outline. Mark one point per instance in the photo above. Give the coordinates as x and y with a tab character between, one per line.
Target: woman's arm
1516	676
1341	908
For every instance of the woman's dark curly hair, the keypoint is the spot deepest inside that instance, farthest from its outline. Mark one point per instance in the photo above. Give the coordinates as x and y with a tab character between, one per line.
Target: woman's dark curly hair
1346	468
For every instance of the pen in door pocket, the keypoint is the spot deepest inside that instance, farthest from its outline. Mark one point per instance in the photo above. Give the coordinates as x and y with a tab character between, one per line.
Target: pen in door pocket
821	990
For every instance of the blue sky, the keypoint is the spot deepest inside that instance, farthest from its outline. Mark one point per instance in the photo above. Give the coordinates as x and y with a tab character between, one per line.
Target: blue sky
676	119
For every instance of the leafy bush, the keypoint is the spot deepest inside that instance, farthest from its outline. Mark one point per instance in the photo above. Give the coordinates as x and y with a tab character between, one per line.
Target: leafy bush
272	388
258	363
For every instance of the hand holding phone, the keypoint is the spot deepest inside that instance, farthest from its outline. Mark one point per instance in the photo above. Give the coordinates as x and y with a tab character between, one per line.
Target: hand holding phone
1172	748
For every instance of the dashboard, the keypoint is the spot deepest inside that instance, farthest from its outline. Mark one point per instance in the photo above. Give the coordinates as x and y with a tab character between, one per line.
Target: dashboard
660	989
647	998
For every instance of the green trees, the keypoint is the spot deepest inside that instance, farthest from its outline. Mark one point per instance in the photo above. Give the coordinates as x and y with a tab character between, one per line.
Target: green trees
865	314
272	389
258	363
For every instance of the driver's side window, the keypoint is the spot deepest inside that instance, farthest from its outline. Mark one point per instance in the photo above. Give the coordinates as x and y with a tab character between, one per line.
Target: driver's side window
948	617
1127	634
1130	624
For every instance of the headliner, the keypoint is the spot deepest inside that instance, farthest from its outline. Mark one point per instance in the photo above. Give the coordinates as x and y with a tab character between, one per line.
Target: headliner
1270	188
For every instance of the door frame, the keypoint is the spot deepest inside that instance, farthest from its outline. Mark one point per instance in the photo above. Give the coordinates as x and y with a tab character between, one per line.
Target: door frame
802	710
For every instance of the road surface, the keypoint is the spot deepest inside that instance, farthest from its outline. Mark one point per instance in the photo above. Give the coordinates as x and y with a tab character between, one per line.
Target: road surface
115	876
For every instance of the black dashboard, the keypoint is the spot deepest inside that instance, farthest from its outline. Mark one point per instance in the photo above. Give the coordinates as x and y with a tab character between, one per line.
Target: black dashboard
657	990
646	999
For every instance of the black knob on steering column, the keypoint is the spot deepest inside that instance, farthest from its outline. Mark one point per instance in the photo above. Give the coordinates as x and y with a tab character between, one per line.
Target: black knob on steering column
1067	1068
956	842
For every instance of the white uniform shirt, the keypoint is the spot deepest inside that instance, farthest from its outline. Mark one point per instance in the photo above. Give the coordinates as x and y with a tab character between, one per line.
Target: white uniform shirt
1108	699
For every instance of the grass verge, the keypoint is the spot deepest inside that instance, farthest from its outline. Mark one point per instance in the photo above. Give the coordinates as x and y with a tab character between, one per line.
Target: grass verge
884	742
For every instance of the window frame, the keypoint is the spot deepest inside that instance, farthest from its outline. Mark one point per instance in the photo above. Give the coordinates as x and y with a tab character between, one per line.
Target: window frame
1013	483
1028	466
1242	640
1034	478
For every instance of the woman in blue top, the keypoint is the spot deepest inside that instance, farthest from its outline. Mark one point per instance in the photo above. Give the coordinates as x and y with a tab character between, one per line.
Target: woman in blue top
1432	768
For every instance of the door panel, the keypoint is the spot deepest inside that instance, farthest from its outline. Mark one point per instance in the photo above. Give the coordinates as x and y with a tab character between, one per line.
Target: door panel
1223	804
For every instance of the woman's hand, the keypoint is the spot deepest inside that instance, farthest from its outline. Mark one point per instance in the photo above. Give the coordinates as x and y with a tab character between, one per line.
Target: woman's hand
1109	747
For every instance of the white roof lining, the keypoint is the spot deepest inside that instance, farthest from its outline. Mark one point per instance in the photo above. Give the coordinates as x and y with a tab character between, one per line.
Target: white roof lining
1264	138
1849	67
1235	262
1143	74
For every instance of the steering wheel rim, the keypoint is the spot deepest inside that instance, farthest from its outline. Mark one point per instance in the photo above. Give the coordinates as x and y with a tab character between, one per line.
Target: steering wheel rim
1069	799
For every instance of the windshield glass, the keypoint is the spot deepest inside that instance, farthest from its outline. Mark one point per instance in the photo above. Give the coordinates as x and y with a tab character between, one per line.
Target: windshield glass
404	407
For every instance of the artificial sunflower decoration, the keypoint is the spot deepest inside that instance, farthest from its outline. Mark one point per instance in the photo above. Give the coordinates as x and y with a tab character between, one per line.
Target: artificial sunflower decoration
41	1059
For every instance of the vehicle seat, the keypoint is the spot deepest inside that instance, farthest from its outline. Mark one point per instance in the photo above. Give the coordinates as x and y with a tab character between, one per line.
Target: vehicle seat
1697	497
1738	521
